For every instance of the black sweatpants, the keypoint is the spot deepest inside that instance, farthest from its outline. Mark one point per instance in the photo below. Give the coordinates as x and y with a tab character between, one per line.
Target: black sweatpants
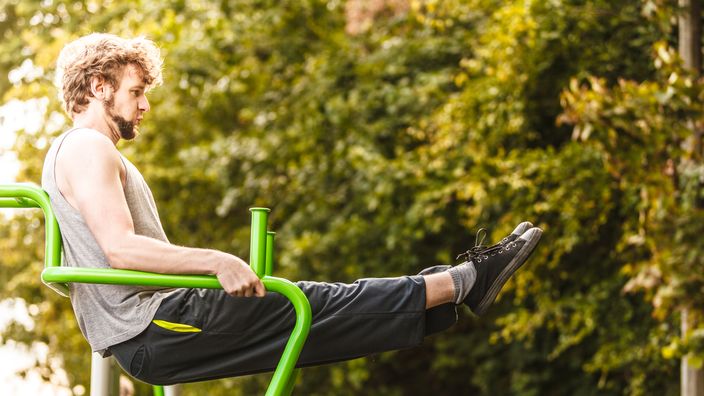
246	335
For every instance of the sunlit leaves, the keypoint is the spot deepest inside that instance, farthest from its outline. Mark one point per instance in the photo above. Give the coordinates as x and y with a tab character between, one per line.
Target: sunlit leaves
382	150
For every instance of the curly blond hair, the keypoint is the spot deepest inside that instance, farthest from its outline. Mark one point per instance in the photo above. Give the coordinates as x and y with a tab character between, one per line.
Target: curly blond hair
104	56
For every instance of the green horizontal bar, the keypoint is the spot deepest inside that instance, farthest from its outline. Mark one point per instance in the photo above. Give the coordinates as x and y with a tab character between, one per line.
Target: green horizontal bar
17	203
282	376
110	276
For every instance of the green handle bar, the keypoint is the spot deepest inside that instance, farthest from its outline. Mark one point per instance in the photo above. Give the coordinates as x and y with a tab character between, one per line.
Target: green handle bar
56	276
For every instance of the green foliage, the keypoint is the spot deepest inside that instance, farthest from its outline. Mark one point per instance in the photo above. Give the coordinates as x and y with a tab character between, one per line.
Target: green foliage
382	149
644	129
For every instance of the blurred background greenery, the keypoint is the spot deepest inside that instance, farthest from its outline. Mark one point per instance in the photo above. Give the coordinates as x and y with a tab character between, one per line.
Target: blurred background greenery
383	134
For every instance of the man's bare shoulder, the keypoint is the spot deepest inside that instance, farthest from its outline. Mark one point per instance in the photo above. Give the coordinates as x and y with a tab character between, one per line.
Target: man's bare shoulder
84	150
87	138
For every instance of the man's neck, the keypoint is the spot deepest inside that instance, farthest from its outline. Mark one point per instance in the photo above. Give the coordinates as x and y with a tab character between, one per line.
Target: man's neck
98	122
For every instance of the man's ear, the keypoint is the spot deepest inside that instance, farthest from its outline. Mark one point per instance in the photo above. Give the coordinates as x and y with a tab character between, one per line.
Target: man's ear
100	89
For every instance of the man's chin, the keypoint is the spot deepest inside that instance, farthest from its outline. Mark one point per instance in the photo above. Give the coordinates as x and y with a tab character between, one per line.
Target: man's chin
130	134
128	130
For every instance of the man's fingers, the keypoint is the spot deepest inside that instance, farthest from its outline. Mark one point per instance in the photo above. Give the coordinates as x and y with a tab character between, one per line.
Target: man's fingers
236	290
259	289
243	285
255	289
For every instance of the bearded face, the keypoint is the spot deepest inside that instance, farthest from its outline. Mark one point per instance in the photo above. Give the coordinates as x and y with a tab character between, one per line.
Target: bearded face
127	129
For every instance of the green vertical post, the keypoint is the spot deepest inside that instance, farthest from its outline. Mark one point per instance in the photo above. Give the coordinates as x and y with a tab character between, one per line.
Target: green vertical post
158	390
270	236
291	382
257	246
281	381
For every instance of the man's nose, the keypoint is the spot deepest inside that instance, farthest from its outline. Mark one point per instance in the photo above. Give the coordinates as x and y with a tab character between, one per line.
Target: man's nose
144	104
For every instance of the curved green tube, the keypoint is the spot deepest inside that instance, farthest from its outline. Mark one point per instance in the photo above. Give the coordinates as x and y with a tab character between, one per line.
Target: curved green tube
157	390
57	277
284	370
25	195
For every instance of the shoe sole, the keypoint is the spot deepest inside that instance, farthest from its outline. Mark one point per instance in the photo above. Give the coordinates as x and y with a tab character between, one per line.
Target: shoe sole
507	272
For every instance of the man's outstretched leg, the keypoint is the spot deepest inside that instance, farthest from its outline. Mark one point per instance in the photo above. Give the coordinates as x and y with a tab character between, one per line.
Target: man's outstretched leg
438	317
230	336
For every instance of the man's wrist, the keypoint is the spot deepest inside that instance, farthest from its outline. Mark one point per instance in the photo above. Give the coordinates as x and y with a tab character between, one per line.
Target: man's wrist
214	261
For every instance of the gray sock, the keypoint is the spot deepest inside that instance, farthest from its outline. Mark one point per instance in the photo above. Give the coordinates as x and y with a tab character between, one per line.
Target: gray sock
463	278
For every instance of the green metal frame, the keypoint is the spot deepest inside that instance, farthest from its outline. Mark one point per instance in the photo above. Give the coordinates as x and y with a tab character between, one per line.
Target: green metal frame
56	276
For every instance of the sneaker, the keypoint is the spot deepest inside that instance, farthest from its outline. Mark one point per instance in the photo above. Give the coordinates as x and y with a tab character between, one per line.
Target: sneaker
495	265
518	231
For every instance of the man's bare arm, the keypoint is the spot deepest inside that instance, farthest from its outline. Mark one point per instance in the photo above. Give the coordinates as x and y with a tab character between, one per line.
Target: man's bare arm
88	173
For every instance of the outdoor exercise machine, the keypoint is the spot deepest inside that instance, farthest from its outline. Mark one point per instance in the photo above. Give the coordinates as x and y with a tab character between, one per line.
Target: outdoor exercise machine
57	276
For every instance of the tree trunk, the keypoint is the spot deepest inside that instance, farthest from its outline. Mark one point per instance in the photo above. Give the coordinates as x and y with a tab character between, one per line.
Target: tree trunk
692	380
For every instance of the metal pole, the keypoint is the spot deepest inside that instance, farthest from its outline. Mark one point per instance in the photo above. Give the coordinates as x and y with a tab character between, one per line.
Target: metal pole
257	247
104	376
690	49
690	29
269	267
692	379
172	390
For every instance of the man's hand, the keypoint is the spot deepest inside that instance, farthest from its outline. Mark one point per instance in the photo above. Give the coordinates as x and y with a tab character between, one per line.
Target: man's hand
237	278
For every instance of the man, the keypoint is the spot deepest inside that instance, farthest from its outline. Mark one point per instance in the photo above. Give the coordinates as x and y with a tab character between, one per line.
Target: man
108	218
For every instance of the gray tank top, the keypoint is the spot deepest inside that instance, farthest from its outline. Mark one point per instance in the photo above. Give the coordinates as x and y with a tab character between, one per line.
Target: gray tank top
106	314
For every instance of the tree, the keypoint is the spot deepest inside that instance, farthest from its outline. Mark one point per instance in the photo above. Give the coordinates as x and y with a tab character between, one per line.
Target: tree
380	149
